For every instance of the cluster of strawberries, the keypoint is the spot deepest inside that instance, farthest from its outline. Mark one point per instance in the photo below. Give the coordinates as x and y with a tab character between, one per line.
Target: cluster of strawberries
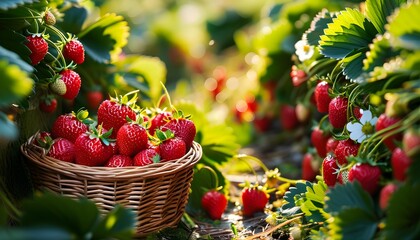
121	136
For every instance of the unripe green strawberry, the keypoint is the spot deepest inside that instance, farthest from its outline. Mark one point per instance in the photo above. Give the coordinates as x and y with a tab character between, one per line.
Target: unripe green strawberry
58	87
49	18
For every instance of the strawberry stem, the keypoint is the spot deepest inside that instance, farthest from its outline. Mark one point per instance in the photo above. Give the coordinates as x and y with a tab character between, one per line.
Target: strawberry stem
213	173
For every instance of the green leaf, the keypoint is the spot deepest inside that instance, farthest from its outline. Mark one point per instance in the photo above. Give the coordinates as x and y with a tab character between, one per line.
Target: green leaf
73	19
379	52
313	202
15	84
77	217
350	31
319	23
295	193
353	223
270	39
403	217
352	65
103	40
378	11
117	224
39	233
403	25
10	4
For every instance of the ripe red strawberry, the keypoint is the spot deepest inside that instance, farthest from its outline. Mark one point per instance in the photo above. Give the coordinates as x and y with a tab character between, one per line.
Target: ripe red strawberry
308	171
254	200
357	112
38	46
330	170
344	149
113	113
94	99
384	122
288	118
262	123
343	176
73	83
63	150
337	112
400	162
146	157
43	139
411	142
93	148
48	104
331	145
74	51
367	175
298	76
131	139
119	161
182	128
159	120
172	148
70	126
322	98
386	194
319	140
214	203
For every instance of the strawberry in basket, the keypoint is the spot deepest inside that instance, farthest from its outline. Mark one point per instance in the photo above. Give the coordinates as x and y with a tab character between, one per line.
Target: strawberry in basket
170	147
132	138
182	127
70	126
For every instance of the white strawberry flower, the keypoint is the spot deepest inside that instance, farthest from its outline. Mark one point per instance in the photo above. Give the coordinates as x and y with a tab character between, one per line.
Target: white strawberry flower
363	128
304	51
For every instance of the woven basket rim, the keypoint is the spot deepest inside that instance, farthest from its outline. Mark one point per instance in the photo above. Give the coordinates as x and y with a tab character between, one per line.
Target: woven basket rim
37	155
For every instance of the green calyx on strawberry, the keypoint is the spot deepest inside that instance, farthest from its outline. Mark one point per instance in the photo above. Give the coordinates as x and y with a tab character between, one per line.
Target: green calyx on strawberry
71	126
160	119
170	147
132	137
93	148
254	199
113	113
182	127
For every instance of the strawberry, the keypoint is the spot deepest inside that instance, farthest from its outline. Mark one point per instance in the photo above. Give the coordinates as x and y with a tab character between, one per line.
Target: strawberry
43	139
62	149
182	128
308	171
146	157
131	139
262	123
367	175
288	118
254	200
344	149
385	122
49	18
319	140
58	87
70	126
73	83
386	194
298	76
38	46
411	142
343	176
303	113
329	170
48	104
331	145
400	162
172	148
214	203
74	51
93	148
94	98
159	120
113	113
337	112
357	112
119	161
322	98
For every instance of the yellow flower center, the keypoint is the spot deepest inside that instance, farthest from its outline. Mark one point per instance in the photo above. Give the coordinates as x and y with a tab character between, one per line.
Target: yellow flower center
306	48
367	128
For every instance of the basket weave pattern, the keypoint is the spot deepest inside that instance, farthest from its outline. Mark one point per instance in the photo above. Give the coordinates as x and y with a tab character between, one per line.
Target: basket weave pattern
158	192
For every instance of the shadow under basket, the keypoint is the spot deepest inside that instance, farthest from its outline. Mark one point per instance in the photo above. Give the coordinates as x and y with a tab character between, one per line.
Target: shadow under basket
157	193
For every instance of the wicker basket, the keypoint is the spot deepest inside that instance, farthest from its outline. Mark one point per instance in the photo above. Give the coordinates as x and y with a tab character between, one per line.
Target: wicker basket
157	192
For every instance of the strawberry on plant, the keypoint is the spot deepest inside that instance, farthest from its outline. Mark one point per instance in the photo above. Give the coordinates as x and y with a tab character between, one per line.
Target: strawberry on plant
113	113
386	194
322	97
288	118
74	51
308	171
38	46
49	18
170	147
94	98
62	149
131	138
367	175
58	87
411	142
262	123
147	156
337	112
331	145
319	140
329	170
303	112
298	76
214	203
119	161
93	148
73	83
48	104
71	126
384	121
400	162
254	199
344	149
